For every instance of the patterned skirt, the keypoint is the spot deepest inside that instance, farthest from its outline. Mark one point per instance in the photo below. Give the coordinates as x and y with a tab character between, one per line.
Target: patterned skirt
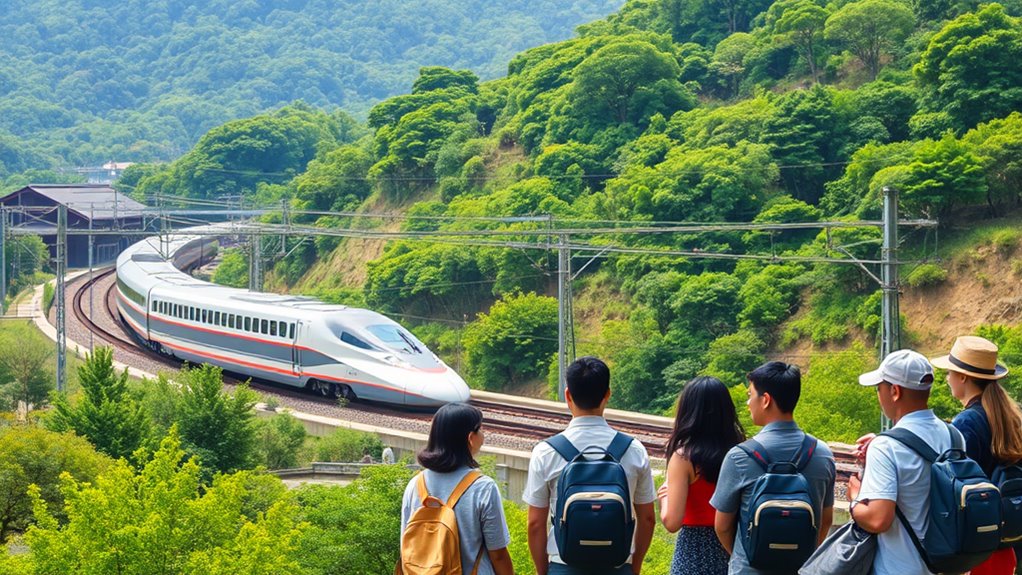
698	552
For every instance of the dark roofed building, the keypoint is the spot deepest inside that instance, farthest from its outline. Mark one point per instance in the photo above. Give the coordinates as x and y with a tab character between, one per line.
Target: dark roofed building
34	207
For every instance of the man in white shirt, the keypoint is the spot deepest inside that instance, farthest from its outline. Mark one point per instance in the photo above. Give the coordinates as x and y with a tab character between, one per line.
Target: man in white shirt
588	390
894	474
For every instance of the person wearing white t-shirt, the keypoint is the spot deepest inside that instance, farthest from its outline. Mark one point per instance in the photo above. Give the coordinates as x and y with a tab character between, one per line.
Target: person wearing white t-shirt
588	390
894	475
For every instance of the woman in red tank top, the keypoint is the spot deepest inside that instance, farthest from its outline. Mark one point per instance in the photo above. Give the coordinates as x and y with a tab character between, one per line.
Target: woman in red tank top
705	428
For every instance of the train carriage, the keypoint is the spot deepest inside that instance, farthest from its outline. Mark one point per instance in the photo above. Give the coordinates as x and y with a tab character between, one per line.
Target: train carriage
333	350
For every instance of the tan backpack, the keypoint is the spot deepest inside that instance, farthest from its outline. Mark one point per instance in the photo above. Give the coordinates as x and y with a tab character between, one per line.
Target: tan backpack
431	544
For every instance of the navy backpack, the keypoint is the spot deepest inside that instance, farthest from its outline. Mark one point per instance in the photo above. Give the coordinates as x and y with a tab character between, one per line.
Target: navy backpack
964	525
593	519
1008	479
779	526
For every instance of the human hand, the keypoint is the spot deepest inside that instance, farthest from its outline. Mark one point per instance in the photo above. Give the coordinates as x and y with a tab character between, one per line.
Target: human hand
861	444
854	485
662	492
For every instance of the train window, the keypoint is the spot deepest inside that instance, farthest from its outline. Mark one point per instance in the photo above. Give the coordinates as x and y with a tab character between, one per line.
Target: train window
216	317
248	324
283	329
291	332
191	313
255	325
265	327
352	340
230	320
273	328
223	319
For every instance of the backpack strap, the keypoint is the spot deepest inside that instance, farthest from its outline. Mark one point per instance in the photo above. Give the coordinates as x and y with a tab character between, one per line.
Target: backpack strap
913	442
462	487
805	452
421	483
479	558
563	446
756	452
915	538
619	446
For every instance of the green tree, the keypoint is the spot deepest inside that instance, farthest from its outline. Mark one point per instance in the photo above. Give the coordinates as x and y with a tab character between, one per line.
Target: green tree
871	28
513	342
278	440
354	529
729	61
802	22
627	82
25	369
233	269
216	426
161	521
943	174
969	70
731	356
31	455
106	413
25	255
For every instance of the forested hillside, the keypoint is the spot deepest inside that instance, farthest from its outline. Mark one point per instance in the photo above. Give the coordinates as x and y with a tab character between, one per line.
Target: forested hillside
89	81
668	111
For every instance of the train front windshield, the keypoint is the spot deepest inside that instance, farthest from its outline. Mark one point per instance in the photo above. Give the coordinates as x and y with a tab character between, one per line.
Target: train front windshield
396	338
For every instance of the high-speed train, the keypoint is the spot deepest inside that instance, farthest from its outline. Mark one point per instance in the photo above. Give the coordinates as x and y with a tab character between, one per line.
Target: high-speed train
333	350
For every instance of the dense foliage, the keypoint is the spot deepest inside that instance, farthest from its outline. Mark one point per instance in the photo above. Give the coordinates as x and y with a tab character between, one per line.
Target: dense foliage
793	111
89	81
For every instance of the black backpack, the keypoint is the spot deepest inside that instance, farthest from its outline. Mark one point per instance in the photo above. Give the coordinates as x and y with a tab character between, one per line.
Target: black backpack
1008	479
965	508
779	527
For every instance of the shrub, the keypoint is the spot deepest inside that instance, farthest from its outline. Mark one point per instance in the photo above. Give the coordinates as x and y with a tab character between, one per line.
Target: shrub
48	294
348	445
1005	241
1016	268
926	275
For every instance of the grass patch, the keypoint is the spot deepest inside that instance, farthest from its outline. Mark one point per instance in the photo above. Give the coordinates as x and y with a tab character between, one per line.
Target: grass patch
926	275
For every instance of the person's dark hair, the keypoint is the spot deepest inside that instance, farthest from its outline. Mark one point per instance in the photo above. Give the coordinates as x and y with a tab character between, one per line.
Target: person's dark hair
447	448
706	426
588	380
781	380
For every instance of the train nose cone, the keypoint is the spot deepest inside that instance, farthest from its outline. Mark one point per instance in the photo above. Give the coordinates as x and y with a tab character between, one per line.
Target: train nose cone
454	388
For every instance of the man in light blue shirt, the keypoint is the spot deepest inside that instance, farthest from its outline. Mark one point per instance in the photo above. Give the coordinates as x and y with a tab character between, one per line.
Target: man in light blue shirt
894	474
774	389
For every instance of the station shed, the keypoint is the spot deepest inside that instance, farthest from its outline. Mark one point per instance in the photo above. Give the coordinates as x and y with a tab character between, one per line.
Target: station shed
34	209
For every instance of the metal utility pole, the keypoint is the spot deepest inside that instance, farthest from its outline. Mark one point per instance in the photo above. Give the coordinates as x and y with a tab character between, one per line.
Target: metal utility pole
59	297
3	258
565	332
255	272
285	218
890	324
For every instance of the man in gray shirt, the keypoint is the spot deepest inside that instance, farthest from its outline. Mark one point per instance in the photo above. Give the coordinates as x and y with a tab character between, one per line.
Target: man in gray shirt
774	389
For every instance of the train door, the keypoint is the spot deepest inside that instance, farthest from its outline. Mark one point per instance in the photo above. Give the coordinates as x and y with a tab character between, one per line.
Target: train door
296	351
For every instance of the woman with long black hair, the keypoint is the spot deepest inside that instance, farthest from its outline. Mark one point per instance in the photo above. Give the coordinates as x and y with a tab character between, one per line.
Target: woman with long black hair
705	428
455	438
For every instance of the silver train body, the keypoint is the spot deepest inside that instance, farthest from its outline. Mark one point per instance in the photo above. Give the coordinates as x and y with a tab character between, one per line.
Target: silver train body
333	350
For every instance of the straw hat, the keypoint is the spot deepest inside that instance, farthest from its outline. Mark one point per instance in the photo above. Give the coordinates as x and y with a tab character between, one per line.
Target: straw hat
973	356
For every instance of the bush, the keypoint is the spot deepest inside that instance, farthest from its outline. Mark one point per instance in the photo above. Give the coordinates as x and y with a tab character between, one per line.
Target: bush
348	445
926	275
1005	241
49	292
278	440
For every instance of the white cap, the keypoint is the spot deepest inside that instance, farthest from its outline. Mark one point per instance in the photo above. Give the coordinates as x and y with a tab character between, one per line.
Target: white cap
905	368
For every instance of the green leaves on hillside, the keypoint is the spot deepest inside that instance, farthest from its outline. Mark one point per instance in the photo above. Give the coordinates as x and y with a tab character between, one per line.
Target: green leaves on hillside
969	72
513	342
